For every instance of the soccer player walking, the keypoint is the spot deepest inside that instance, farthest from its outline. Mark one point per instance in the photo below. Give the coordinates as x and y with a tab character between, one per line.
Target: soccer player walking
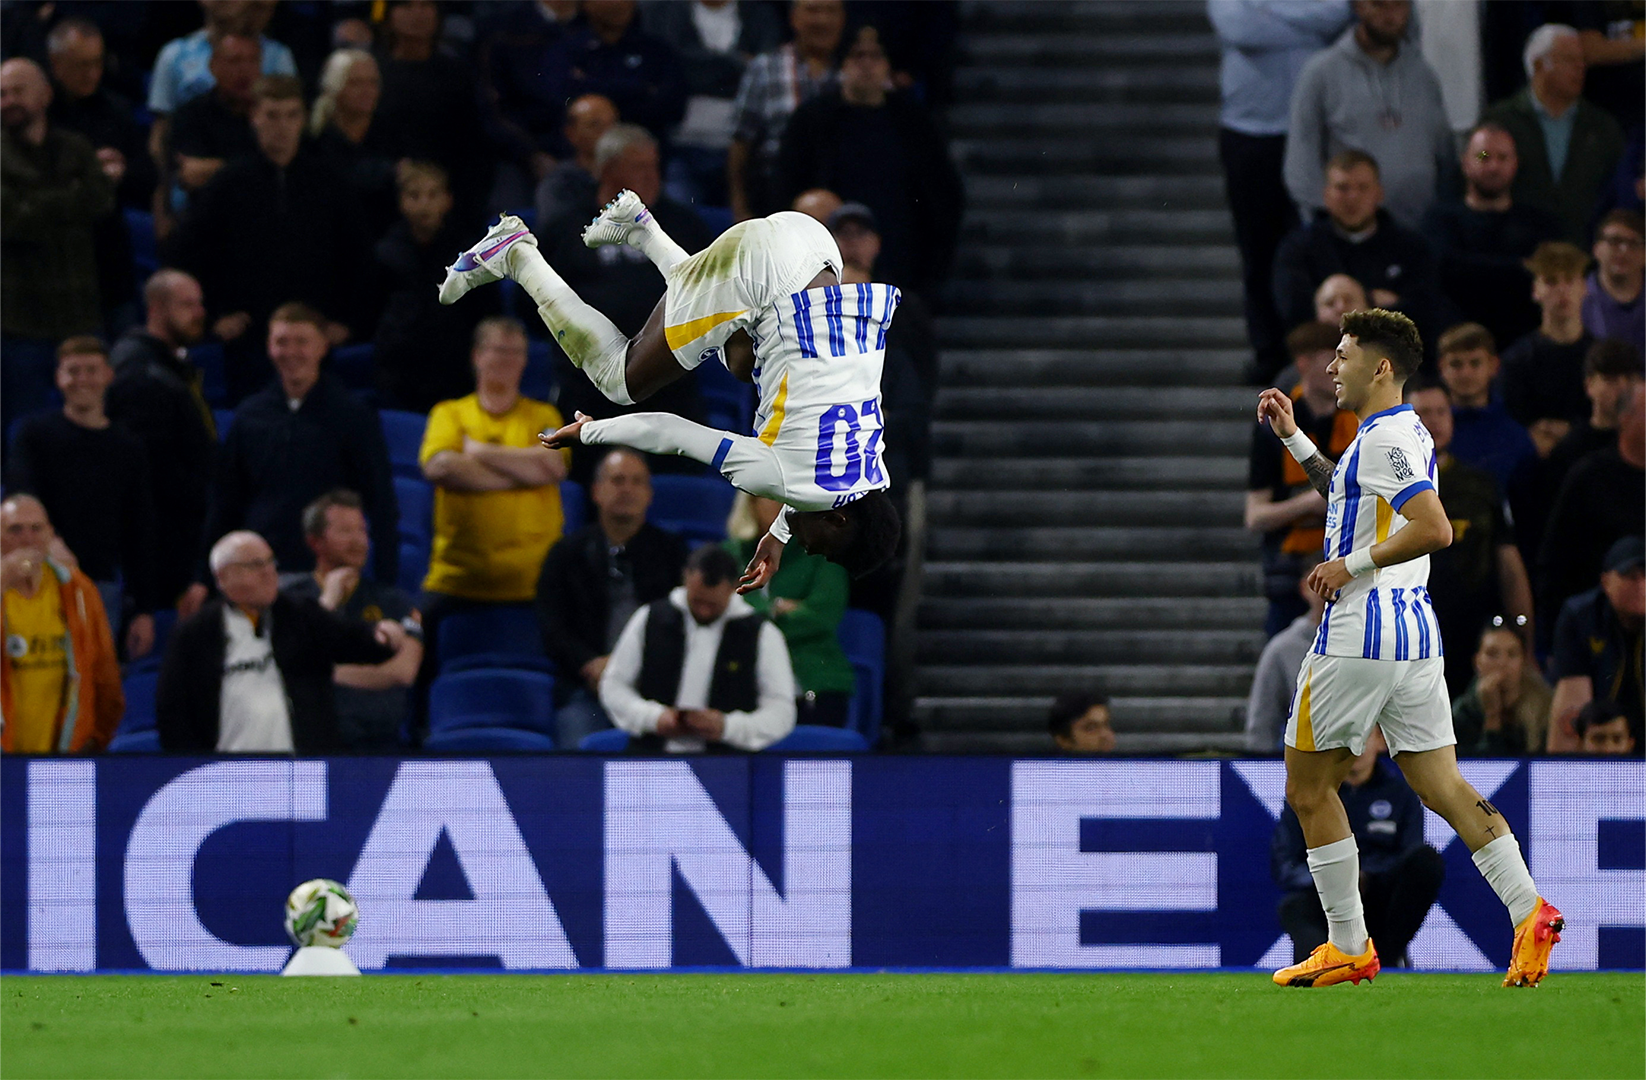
1377	657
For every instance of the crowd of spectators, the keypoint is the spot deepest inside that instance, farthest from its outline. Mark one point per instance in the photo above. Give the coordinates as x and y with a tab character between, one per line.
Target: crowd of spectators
1511	234
253	204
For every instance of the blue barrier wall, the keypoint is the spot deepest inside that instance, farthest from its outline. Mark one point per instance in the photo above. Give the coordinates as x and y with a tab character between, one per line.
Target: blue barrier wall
565	862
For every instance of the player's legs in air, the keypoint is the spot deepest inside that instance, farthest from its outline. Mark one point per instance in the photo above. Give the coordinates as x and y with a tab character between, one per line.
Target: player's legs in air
1337	701
625	370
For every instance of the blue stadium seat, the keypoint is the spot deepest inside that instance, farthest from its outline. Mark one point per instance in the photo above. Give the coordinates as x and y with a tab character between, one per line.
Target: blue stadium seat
506	630
504	698
139	688
403	431
356	365
164	620
145	253
863	640
814	738
727	403
693	506
538	379
717	218
574	506
414	566
214	384
135	742
610	741
224	419
487	740
416	499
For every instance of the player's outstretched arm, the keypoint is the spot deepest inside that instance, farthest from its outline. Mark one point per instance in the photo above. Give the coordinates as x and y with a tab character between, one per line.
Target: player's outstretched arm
746	462
1275	409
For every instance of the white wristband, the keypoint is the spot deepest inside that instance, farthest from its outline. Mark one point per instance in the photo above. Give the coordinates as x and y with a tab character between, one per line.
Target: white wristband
1301	447
1359	562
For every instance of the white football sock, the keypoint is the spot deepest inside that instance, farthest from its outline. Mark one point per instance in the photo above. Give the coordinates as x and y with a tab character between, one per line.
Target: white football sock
657	245
1336	870
587	337
1501	864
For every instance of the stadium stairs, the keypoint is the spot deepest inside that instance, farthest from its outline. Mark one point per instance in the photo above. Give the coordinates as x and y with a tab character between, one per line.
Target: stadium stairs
1092	426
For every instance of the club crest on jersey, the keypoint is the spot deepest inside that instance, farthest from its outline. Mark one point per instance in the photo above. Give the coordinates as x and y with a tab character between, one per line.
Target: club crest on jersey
1401	465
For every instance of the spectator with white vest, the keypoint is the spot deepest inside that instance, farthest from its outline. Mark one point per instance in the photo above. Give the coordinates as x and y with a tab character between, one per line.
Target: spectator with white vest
251	671
700	668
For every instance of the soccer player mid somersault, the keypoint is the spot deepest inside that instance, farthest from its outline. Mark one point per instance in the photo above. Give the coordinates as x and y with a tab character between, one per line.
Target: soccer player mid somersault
764	299
1377	656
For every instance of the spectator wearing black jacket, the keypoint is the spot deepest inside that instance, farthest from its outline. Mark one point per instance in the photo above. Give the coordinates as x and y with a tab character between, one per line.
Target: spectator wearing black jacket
1484	238
251	672
1352	234
296	439
92	477
209	131
1400	875
270	228
595	579
605	52
158	396
422	345
521	117
881	148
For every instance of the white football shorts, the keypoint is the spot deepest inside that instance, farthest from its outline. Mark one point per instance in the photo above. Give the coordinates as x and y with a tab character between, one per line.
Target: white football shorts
1339	698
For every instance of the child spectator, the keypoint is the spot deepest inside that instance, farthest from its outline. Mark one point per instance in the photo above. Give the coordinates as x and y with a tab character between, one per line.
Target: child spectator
1483	434
421	342
1604	729
1505	710
1543	371
805	599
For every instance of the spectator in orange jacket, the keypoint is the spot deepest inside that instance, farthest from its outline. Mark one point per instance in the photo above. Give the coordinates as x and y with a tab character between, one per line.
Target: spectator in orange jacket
59	679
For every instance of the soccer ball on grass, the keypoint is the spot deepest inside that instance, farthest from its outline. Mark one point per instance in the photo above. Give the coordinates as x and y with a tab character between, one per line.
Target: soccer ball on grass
320	912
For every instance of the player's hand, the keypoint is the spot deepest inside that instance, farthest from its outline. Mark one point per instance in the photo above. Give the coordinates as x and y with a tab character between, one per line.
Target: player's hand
566	436
1275	408
1328	577
767	557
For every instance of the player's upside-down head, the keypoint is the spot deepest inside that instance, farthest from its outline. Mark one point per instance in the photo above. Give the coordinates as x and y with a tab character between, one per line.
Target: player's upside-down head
859	536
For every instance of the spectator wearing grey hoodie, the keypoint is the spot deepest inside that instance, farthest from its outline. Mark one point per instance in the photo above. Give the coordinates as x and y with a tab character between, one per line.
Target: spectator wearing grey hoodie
1372	91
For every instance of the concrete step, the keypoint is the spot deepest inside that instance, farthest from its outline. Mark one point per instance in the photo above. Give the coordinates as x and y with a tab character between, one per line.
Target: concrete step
1090	16
1092	367
1189	192
1091	331
1067	438
1122	680
1190	45
1066	508
1130	714
1134	543
1052	228
1164	298
1013	261
1130	153
1083	119
1102	613
1115	579
1164	84
1167	647
1113	474
1095	402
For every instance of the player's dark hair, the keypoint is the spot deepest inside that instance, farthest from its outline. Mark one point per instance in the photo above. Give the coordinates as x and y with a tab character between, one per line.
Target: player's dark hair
1071	707
1390	335
1311	338
713	563
1599	711
1612	359
314	514
878	530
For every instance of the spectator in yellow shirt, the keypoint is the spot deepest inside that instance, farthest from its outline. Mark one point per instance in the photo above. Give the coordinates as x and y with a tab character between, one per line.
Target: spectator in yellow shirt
59	680
497	496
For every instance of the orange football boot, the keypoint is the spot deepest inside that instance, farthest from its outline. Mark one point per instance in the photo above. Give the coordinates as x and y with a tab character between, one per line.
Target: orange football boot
1534	937
1329	964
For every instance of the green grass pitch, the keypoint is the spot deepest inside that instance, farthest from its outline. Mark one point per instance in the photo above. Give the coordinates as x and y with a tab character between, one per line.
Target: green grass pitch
776	1025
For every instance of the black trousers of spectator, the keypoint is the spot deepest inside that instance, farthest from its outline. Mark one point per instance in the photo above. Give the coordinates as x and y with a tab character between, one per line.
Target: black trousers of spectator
1396	903
1263	214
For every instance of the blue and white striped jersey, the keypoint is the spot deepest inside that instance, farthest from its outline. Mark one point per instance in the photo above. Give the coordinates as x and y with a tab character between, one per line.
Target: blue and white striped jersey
1386	614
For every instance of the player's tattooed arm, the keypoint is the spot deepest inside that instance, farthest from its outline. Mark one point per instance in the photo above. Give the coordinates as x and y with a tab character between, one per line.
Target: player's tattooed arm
1319	470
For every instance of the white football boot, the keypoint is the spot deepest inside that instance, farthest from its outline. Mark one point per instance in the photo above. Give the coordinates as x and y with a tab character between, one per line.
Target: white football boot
486	261
618	223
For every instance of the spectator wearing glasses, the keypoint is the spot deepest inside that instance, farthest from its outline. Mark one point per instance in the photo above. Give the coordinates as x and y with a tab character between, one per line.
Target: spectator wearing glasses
1612	306
1505	710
